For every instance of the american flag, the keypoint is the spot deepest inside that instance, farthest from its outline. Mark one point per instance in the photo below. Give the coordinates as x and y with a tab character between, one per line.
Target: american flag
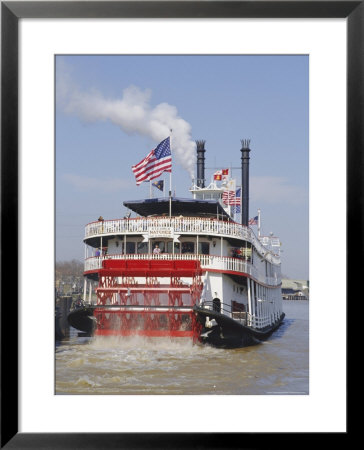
253	221
230	197
155	163
236	208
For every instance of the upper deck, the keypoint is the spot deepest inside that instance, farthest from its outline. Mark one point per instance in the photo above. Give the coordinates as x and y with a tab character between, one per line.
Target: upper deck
173	228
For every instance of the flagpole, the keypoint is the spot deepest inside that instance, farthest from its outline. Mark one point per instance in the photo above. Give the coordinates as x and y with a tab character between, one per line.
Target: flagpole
170	193
230	176
170	178
241	204
258	222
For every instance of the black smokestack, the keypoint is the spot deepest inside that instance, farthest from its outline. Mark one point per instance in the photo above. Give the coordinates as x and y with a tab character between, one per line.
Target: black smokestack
200	163
245	143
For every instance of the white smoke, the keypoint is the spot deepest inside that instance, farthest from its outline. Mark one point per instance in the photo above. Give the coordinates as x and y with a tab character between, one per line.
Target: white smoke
133	113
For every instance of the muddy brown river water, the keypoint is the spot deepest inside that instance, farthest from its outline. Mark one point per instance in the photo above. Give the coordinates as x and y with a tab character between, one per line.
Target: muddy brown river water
109	365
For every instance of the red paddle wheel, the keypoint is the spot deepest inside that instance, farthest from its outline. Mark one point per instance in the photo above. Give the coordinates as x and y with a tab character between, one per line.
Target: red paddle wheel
148	298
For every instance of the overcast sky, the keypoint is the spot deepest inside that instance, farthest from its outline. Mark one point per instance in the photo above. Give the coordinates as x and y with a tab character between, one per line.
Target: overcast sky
112	110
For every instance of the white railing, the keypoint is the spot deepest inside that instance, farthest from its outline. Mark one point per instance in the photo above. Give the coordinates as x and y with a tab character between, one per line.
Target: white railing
207	262
165	226
261	322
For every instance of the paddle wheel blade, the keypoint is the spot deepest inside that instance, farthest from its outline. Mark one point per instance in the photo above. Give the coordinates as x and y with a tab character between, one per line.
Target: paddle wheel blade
153	298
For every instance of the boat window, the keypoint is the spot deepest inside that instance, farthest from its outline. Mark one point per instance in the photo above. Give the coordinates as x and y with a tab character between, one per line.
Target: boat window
203	248
142	247
176	247
235	252
246	252
188	247
216	304
130	248
161	245
237	307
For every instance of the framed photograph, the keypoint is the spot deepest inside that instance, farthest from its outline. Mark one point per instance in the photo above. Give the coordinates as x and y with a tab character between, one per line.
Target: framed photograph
312	53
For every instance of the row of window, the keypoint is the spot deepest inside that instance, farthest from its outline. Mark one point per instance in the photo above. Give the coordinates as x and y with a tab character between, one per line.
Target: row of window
165	247
179	248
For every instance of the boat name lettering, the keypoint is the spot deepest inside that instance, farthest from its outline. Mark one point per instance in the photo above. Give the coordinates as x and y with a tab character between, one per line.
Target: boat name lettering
161	232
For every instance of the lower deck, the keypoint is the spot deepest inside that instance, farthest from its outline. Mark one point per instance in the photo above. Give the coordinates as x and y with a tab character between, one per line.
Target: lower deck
131	288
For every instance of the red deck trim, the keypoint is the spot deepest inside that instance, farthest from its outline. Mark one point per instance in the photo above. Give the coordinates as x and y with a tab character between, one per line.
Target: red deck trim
141	289
243	274
229	272
143	310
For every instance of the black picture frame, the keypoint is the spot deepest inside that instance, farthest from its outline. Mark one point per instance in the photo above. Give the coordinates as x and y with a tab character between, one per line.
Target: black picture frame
11	12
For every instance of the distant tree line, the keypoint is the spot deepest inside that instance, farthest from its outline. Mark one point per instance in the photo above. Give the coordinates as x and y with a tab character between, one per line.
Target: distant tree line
72	268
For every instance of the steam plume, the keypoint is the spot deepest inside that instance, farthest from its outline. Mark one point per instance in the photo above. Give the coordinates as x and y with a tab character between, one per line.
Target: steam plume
133	113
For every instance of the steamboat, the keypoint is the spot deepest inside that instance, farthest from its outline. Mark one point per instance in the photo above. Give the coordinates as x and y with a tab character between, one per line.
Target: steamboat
183	267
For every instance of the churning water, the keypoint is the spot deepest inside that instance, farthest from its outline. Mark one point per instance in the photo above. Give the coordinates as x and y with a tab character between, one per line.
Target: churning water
136	365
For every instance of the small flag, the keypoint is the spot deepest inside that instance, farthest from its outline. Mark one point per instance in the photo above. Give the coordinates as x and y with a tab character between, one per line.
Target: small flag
218	175
154	164
225	175
159	185
253	221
